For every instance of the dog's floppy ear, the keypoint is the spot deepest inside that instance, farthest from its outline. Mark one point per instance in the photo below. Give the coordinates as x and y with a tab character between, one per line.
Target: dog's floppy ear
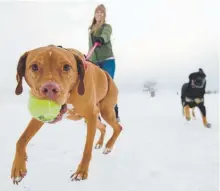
81	73
20	73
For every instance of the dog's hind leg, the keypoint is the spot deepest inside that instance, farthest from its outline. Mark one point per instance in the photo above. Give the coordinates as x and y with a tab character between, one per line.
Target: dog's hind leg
107	111
108	114
101	128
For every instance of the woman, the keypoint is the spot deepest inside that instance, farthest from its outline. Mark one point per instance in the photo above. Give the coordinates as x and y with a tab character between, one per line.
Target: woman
103	56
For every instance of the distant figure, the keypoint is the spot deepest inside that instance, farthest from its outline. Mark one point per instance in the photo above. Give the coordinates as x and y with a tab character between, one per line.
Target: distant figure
152	93
192	95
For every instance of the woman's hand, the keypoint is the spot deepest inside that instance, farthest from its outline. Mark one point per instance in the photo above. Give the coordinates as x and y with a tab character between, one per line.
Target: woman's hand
99	40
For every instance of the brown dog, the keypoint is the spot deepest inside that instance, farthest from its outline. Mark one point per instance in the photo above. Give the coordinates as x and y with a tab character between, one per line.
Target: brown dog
61	75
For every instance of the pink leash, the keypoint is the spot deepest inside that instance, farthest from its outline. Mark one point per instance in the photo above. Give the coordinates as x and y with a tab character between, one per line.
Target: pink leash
92	50
90	54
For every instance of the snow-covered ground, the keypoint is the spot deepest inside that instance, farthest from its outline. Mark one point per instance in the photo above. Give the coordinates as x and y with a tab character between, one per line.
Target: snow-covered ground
157	150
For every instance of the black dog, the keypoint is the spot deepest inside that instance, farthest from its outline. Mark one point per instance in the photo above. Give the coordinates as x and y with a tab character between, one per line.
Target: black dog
192	95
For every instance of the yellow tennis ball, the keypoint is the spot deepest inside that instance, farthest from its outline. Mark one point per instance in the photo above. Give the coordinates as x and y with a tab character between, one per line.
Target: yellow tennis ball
43	110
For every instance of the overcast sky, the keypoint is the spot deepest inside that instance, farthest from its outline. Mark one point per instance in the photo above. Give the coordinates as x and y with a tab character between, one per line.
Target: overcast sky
162	40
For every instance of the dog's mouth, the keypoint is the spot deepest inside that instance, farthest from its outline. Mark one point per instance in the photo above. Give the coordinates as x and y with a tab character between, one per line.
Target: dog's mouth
63	110
198	83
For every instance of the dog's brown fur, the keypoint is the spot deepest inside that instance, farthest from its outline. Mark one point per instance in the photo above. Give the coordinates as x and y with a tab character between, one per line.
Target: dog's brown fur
186	112
90	91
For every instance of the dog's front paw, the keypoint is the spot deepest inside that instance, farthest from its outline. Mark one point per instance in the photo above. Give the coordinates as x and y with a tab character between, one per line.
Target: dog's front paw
80	174
18	170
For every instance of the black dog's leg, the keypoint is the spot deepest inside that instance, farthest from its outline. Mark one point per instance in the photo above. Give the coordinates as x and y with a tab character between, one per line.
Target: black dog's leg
202	108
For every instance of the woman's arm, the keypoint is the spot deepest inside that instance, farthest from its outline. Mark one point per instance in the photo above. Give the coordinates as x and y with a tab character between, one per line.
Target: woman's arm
105	36
106	33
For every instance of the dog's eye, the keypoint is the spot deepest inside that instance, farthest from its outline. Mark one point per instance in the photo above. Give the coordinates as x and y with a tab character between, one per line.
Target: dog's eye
34	67
66	67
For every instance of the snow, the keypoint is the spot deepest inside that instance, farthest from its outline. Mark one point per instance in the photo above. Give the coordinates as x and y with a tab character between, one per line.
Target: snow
158	150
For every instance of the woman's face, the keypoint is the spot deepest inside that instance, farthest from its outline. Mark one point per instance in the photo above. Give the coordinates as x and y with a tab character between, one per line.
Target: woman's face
99	16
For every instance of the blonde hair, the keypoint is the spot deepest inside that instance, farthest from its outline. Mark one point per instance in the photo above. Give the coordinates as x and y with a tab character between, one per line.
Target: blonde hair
94	26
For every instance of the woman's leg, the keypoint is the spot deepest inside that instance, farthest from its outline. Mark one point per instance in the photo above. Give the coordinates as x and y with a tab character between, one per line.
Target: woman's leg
108	66
116	113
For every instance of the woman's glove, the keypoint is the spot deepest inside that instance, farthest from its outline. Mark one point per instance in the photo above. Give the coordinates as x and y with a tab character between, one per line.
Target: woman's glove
99	40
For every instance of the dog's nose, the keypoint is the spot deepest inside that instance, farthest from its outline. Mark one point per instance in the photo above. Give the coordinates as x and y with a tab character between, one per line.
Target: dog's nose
50	89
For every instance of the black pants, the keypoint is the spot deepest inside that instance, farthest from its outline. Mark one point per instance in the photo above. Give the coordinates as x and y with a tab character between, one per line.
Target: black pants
116	110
